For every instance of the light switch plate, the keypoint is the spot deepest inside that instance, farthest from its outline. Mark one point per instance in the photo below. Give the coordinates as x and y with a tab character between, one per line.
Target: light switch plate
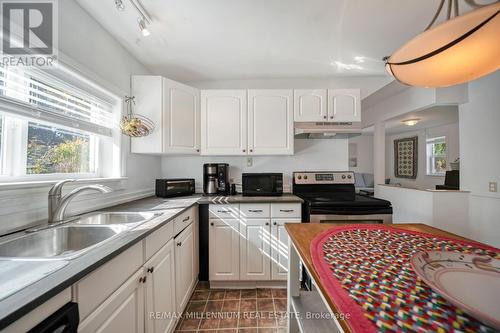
249	161
493	187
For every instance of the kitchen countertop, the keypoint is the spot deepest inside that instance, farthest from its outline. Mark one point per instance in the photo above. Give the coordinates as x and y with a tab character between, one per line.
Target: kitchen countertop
55	278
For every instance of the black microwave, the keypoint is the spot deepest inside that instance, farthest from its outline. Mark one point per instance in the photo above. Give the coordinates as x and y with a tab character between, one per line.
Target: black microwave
262	184
167	188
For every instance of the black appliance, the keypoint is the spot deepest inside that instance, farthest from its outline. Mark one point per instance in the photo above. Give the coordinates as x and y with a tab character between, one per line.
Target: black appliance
451	181
262	184
167	188
64	320
330	197
216	178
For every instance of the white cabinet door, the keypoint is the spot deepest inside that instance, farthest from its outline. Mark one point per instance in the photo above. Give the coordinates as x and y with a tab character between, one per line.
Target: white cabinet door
224	122
160	290
344	105
279	248
182	118
255	249
224	249
123	311
148	93
310	105
270	122
184	266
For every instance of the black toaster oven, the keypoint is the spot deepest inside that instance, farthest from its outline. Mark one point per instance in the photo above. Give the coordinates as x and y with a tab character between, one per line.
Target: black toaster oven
167	188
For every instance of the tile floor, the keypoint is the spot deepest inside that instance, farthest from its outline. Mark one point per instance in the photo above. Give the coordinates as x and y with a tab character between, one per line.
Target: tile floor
238	311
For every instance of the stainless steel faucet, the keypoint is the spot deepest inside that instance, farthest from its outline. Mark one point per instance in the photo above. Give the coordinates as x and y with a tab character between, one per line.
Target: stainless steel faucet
59	203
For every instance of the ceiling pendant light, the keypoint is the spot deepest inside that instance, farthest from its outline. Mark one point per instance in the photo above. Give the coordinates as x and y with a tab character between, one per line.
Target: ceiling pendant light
461	49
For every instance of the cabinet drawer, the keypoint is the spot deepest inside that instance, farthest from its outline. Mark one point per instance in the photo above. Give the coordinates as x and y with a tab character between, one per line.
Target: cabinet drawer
96	287
257	210
231	211
286	210
183	220
156	240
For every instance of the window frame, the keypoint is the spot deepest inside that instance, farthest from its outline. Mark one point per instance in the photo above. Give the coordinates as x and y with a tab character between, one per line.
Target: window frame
430	156
108	154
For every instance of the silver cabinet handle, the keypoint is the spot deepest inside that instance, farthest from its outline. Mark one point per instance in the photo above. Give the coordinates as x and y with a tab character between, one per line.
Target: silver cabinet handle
275	223
223	211
186	219
324	117
255	210
179	244
267	223
212	224
287	210
244	150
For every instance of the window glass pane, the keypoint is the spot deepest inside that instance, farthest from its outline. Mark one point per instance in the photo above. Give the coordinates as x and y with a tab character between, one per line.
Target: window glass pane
54	150
439	165
440	149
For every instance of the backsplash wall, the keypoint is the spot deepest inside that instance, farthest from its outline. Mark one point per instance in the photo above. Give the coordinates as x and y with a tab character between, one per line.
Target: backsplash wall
313	155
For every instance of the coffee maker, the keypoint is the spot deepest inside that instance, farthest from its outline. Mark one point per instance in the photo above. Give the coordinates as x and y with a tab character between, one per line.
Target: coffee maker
216	178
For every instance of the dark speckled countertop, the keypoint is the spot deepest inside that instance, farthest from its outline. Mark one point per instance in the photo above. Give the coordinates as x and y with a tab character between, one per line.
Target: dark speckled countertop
67	272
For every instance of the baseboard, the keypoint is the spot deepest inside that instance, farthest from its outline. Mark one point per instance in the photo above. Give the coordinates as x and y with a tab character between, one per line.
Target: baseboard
246	284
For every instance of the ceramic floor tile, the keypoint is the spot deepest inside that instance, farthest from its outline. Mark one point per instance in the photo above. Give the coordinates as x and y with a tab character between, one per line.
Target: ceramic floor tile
196	306
200	295
229	322
280	304
264	293
232	294
214	306
279	293
209	324
248	305
267	330
189	324
249	293
231	306
265	304
248	319
216	294
247	330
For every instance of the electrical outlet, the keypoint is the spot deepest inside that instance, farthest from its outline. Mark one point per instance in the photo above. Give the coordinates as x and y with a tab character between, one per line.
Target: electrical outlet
249	161
493	187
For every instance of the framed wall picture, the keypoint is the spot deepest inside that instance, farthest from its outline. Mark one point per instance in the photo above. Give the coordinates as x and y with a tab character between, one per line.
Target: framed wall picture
406	158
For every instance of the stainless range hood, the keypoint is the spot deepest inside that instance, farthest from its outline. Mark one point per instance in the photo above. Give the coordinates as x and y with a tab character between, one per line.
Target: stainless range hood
323	130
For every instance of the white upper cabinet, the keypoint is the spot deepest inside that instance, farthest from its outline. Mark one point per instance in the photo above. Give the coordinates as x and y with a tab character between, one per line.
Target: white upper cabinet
344	105
175	110
182	118
270	122
224	122
310	105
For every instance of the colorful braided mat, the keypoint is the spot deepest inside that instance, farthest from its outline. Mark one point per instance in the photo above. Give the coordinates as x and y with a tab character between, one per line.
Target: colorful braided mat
366	271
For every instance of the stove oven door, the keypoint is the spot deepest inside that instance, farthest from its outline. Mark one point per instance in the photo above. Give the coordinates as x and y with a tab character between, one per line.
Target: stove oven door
351	219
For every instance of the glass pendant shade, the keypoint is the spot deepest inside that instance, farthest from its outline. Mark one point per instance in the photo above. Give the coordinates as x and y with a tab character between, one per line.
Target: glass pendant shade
457	51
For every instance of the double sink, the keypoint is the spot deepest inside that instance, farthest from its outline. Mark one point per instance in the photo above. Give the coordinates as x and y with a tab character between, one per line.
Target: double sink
73	238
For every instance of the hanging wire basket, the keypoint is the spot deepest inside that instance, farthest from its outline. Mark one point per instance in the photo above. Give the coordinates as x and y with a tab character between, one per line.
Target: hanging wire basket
135	125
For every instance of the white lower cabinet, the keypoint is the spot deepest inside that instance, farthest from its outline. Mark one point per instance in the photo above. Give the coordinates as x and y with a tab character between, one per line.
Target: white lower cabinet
184	266
255	249
160	290
123	311
279	248
224	249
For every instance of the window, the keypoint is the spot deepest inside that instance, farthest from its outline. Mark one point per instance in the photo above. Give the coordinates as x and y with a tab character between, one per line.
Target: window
436	156
50	129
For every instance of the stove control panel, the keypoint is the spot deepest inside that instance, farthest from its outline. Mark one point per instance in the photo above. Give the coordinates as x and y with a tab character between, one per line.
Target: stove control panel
324	177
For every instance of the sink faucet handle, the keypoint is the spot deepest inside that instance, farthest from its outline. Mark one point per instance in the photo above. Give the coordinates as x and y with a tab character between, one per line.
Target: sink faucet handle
57	188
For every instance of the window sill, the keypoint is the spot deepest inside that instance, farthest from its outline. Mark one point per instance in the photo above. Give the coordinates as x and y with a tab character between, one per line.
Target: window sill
49	183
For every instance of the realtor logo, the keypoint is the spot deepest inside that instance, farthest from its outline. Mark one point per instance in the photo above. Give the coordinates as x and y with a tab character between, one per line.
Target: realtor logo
29	32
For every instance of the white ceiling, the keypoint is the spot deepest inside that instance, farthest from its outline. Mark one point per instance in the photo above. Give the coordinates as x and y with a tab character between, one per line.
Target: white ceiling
432	117
200	40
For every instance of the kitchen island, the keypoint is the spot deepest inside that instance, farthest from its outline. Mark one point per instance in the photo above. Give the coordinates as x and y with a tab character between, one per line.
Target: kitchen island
323	310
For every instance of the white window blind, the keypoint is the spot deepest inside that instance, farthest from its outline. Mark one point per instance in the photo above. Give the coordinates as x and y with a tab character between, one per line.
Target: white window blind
36	94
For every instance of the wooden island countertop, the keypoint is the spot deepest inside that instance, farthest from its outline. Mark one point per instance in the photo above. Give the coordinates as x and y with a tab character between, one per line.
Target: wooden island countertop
302	234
